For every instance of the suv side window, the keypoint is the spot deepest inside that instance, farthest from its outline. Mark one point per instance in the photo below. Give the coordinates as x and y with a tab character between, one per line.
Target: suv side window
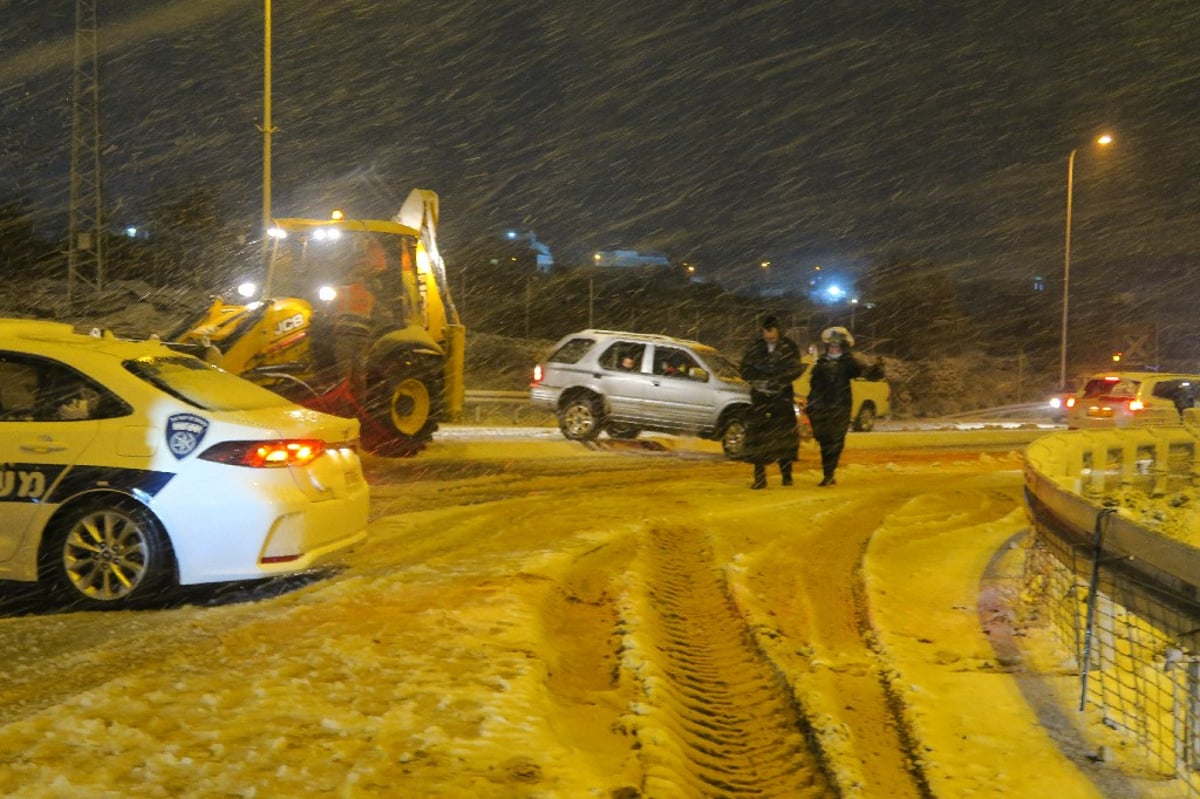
572	351
1181	392
39	390
673	362
1168	389
621	353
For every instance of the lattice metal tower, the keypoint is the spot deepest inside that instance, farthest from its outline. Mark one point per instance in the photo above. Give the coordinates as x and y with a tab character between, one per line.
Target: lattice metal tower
85	250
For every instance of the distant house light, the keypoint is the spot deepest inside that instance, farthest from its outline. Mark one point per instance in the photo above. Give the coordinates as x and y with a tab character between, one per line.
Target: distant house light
634	258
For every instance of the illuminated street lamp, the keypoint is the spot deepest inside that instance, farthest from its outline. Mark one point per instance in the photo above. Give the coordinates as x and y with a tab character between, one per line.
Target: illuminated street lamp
1103	141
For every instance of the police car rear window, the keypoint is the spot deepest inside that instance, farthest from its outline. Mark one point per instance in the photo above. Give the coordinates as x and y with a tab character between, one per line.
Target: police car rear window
201	384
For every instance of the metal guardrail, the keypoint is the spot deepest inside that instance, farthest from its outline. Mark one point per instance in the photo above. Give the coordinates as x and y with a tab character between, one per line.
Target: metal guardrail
1023	409
497	396
513	406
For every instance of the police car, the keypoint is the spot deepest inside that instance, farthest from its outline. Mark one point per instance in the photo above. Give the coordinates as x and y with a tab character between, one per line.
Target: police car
127	468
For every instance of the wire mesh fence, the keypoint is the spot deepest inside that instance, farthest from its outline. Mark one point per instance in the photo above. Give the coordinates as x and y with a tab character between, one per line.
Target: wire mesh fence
1135	635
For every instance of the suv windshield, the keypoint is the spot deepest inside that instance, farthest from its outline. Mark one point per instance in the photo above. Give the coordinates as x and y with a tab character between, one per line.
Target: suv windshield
725	368
202	384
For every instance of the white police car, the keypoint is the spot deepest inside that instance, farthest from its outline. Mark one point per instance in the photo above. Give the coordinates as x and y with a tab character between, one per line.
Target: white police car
127	468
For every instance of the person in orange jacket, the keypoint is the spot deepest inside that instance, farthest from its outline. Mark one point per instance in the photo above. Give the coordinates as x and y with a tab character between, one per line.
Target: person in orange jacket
356	313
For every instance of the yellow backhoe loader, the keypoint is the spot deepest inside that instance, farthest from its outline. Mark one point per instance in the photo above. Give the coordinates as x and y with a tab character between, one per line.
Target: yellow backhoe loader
354	318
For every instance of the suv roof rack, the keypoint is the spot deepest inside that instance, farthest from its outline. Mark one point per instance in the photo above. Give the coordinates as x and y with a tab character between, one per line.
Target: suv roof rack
642	336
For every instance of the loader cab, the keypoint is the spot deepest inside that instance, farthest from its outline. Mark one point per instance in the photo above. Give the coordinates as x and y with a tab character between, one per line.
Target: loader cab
341	270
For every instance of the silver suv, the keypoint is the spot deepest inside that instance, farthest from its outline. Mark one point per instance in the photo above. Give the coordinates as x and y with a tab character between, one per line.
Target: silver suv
623	383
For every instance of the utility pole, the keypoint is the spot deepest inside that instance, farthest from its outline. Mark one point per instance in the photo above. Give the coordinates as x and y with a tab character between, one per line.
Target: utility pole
85	250
267	129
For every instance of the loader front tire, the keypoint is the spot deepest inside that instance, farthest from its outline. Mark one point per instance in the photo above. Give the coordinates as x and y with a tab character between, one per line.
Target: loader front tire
404	403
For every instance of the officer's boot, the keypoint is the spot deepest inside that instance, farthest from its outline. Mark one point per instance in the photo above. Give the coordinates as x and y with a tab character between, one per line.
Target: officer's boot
760	476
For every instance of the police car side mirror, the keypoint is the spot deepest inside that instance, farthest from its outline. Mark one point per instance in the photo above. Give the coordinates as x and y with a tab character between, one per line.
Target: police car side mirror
698	374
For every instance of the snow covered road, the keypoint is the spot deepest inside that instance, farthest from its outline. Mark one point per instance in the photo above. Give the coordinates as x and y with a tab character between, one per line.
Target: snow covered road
537	618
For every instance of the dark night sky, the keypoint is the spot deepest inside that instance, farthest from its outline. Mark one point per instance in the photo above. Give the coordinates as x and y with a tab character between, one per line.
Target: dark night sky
723	132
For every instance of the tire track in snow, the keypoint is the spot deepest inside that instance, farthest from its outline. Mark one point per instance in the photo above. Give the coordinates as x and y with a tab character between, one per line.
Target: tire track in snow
716	719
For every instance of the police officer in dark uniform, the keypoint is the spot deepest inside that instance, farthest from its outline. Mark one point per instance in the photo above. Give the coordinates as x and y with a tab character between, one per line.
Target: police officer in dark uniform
770	365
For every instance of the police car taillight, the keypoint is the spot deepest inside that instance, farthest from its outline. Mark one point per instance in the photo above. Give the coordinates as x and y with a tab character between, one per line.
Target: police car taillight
265	454
537	373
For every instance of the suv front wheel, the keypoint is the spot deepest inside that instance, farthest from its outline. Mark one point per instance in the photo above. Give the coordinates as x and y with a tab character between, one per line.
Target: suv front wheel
733	437
579	417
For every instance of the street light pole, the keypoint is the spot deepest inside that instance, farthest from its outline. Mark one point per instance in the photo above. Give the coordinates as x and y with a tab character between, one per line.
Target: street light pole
1062	364
1104	141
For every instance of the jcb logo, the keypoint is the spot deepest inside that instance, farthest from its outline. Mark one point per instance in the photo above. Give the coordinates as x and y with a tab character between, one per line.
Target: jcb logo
293	322
22	485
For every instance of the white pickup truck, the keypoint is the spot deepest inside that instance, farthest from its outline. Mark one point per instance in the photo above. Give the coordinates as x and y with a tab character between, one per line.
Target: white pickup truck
872	397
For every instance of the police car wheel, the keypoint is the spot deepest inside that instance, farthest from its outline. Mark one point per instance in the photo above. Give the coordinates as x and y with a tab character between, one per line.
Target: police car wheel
107	554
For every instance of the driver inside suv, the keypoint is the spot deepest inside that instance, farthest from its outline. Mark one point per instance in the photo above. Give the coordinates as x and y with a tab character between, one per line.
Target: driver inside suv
670	362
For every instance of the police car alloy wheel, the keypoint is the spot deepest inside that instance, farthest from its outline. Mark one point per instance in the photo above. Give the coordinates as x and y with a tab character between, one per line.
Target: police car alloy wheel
108	553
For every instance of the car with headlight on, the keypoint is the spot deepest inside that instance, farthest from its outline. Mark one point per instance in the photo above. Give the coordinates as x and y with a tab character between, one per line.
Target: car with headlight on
1059	404
622	383
128	469
1132	399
